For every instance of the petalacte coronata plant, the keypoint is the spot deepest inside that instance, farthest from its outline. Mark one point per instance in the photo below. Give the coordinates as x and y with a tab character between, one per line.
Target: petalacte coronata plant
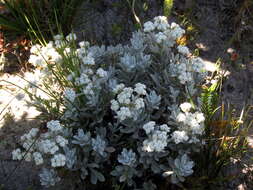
126	113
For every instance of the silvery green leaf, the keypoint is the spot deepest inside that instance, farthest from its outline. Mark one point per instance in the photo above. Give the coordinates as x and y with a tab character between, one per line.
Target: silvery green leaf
149	185
122	178
99	145
184	165
81	138
101	131
174	179
110	149
118	49
70	157
174	109
84	172
48	177
155	167
93	177
114	173
97	51
112	83
127	157
153	99
96	176
137	41
191	89
93	165
128	62
174	94
100	177
155	78
93	100
143	61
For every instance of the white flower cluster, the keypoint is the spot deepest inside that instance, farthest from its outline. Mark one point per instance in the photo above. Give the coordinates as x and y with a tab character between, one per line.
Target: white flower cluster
190	124
157	137
58	160
185	69
129	101
28	144
39	146
43	55
89	78
165	32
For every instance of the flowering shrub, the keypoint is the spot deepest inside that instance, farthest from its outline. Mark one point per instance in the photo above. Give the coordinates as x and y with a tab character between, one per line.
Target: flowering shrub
124	113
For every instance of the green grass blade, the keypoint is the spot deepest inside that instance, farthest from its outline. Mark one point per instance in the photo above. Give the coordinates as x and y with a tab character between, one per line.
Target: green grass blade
167	7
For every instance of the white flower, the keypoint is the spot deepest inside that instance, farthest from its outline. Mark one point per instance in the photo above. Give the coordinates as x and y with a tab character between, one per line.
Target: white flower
67	51
101	73
48	146
54	56
156	144
139	103
148	127
28	144
147	147
124	113
181	117
179	136
118	88
161	23
27	156
58	160
125	95
84	44
71	37
183	50
17	154
160	37
54	125
35	49
70	94
174	25
38	158
61	141
149	26
36	60
58	37
88	71
200	117
186	107
140	89
176	31
33	132
114	105
164	127
158	138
